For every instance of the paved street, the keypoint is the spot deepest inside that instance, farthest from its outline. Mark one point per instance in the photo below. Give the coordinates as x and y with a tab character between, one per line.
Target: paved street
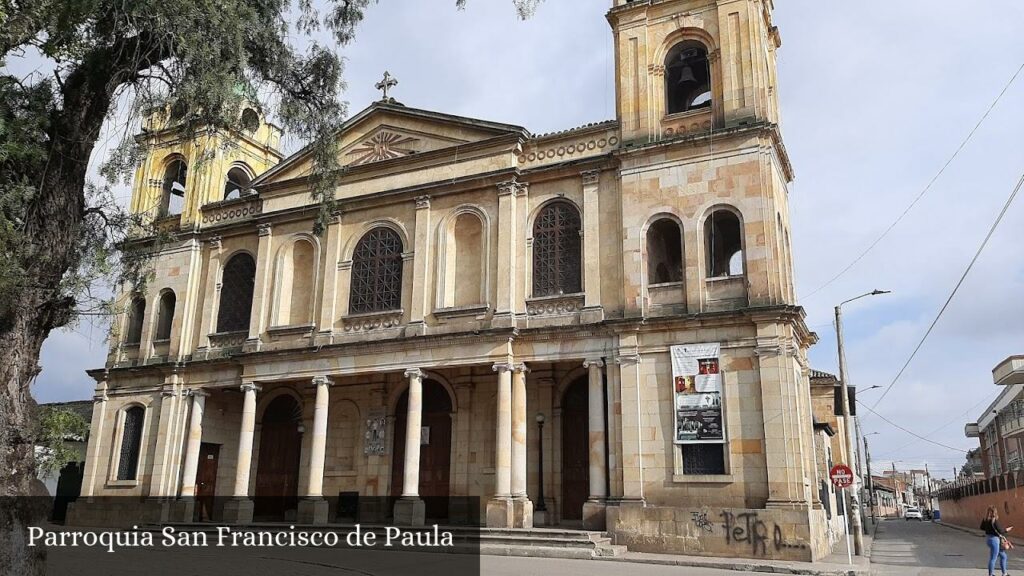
923	548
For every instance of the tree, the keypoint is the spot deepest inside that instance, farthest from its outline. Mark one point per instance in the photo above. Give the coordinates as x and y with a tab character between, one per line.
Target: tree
58	427
201	59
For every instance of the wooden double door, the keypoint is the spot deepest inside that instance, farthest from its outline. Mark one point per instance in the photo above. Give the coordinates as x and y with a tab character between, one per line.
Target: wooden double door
575	449
277	474
435	448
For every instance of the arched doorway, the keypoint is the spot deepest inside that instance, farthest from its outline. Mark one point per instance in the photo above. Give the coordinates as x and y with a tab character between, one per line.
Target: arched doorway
277	473
435	448
575	449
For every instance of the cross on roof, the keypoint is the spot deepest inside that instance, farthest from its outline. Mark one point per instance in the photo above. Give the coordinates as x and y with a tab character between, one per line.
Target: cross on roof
386	84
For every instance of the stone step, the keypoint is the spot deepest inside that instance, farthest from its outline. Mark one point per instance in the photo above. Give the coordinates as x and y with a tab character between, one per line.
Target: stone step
536	542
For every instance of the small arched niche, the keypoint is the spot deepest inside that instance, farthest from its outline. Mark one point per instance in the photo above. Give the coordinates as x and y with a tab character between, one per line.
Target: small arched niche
238	183
172	199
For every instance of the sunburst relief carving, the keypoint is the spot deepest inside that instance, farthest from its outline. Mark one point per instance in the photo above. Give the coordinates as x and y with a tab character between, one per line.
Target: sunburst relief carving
383	146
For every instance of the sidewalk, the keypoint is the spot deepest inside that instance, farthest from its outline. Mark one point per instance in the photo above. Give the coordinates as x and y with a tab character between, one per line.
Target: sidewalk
834	565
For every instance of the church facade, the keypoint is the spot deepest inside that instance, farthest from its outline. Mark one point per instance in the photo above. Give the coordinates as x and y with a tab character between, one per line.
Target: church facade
489	313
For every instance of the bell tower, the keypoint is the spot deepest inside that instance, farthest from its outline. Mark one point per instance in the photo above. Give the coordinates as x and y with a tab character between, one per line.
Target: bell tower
685	66
179	175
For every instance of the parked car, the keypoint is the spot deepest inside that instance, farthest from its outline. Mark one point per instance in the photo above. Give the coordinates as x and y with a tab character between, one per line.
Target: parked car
913	514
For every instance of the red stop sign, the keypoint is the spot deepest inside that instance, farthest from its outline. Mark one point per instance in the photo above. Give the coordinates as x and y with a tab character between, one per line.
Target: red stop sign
841	475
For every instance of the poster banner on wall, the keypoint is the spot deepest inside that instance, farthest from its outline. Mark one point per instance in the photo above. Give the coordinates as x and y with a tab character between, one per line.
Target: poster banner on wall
697	392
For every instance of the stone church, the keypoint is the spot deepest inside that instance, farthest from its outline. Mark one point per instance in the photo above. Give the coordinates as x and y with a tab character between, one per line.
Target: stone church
489	313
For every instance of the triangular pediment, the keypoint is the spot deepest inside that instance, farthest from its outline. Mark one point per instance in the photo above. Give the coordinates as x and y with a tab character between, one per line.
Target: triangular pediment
387	131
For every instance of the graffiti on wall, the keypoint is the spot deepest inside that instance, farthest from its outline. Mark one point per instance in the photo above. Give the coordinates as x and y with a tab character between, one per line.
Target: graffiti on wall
700	520
747	529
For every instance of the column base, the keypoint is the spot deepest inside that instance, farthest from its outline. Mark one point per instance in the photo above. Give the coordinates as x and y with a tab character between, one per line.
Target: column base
313	511
500	512
503	320
540	517
184	510
410	511
252	345
522	512
238	511
592	314
787	505
415	328
595	515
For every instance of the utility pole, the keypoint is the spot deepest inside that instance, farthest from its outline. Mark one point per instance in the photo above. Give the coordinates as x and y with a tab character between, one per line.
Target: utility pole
858	535
928	487
871	484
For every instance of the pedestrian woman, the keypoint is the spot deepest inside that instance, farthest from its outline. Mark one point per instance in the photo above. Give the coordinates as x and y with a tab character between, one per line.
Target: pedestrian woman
995	537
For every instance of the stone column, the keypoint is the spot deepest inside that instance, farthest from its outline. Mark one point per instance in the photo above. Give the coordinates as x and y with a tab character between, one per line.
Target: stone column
195	439
328	310
499	508
421	269
522	506
631	395
313	509
594	508
211	294
592	309
508	245
261	288
96	435
410	510
168	404
239	509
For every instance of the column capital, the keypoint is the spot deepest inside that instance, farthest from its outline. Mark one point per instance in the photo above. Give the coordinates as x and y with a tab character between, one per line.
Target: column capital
101	397
168	393
250	386
512	187
321	380
214	242
336	215
422	202
520	367
597	362
263	229
197	393
628	359
502	367
414	373
590	177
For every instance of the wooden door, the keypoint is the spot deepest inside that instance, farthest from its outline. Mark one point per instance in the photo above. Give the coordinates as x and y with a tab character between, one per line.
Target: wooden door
206	481
575	449
435	449
277	475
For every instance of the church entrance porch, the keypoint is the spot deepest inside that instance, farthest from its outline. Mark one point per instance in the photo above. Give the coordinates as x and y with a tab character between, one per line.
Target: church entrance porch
277	474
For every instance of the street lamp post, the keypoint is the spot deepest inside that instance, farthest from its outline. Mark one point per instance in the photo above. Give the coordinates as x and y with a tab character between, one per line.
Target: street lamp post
540	463
852	445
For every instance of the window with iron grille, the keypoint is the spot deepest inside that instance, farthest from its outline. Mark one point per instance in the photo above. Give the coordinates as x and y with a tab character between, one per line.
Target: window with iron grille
556	251
704	459
236	294
377	272
131	442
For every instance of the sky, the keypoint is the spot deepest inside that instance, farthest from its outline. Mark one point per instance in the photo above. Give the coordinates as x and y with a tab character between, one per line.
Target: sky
876	96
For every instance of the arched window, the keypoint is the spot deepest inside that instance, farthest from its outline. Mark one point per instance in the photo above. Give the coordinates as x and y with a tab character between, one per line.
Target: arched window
687	77
238	182
236	294
556	250
377	272
664	252
136	313
468	260
250	120
173	199
723	235
166	317
131	443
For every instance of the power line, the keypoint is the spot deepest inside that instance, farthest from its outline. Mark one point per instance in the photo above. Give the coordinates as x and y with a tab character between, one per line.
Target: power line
923	192
942	427
912	433
963	277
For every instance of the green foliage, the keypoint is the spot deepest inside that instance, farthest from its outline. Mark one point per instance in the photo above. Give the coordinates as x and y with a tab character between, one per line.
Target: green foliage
57	428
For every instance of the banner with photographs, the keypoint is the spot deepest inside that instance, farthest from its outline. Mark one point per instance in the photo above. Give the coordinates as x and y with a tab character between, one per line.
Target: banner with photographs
697	386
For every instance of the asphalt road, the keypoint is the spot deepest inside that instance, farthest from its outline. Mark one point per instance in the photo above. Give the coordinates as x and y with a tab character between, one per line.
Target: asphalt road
923	548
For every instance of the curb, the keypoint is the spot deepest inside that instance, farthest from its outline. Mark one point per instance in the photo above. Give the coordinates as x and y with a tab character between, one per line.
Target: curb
1018	541
739	566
